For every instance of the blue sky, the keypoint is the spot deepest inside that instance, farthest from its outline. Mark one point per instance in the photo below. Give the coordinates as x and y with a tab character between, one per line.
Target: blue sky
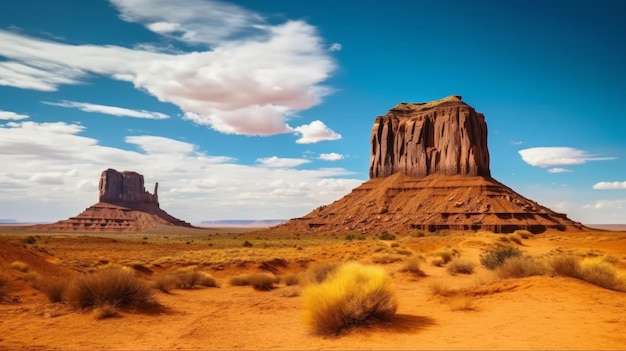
263	109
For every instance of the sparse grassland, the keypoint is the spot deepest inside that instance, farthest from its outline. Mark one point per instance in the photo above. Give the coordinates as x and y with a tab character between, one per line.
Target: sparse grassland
351	296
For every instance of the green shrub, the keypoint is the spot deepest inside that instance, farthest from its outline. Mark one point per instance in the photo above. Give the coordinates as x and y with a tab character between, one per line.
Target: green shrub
352	295
520	267
112	286
386	236
460	266
496	257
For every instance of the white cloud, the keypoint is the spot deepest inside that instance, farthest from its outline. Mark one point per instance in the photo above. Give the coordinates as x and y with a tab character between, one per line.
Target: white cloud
54	173
335	47
11	116
333	156
109	110
315	132
253	78
279	162
559	170
609	185
516	142
607	204
557	156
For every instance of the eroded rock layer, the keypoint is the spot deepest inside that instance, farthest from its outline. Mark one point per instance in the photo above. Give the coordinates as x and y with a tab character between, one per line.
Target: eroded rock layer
446	136
401	204
124	205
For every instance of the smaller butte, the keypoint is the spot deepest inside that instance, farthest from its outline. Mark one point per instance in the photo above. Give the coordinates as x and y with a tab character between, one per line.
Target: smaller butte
124	205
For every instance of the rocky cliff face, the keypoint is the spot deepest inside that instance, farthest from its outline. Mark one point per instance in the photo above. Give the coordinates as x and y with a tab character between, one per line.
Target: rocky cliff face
125	188
445	136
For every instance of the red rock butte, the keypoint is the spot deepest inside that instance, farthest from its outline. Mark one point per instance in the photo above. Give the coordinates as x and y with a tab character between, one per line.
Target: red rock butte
429	171
124	205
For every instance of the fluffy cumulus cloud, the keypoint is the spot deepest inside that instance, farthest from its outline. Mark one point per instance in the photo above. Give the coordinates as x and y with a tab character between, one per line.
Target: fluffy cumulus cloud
333	156
11	116
251	79
193	185
109	110
610	185
315	132
558	156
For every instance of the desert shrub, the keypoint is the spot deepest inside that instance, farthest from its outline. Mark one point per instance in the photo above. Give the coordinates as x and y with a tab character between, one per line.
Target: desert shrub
262	281
52	287
446	255
462	303
352	295
412	265
189	277
460	266
440	288
524	234
19	266
291	279
246	244
113	286
566	266
385	258
164	282
29	240
601	273
438	262
520	267
504	238
516	239
386	236
106	310
320	271
239	280
496	257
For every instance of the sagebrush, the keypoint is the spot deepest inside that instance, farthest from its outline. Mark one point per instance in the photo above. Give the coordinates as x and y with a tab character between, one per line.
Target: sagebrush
496	257
352	295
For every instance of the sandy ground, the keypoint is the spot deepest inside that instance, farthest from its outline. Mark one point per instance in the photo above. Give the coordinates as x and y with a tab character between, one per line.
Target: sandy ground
540	312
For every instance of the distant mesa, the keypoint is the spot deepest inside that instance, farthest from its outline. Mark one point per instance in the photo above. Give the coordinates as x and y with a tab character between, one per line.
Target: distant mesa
243	222
429	171
124	205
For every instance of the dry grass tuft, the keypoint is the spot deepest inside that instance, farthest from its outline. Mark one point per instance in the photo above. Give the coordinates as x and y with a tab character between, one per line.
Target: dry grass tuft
595	270
19	266
412	265
386	258
262	281
439	288
496	257
351	296
184	278
240	280
443	256
462	303
52	287
460	266
520	267
320	271
292	279
113	286
290	291
105	311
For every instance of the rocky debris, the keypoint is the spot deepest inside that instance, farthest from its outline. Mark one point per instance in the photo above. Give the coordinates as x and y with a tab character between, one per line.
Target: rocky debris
445	136
125	187
429	171
124	205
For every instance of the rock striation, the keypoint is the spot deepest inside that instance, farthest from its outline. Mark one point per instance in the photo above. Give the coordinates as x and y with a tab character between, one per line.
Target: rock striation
429	171
446	136
124	205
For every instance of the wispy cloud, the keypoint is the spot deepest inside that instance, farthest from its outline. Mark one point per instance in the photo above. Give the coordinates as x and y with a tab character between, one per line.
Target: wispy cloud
516	142
315	132
11	116
280	162
607	204
333	156
109	110
559	170
610	185
252	78
558	156
335	47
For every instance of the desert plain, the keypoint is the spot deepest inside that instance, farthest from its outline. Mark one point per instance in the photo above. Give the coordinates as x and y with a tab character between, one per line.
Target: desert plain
438	308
